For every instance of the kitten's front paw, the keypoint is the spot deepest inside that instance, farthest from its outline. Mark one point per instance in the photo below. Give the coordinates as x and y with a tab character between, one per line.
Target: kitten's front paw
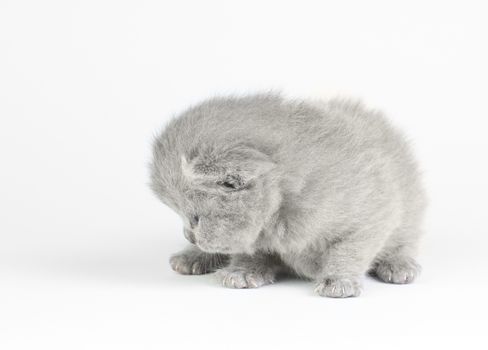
232	277
398	271
186	265
335	287
196	263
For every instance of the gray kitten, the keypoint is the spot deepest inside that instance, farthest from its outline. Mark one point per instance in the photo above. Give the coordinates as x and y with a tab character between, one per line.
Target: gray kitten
264	185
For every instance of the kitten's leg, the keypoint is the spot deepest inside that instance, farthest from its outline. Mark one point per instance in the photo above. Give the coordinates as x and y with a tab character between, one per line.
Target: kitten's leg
396	262
193	261
250	271
344	263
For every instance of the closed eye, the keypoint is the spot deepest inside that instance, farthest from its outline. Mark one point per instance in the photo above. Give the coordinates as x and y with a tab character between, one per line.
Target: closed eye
231	182
228	184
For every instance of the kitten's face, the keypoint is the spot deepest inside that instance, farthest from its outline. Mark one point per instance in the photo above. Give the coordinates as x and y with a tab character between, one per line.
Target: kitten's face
224	197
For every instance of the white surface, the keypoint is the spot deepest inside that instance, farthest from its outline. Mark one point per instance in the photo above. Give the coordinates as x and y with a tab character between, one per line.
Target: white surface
84	246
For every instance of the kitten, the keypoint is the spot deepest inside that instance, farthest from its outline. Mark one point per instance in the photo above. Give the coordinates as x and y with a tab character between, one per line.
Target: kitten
264	185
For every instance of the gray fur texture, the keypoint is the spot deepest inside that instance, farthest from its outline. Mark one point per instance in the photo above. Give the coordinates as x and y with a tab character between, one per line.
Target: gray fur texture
326	190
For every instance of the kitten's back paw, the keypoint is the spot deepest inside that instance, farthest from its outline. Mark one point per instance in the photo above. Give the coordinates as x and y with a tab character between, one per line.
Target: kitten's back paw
239	278
401	270
339	287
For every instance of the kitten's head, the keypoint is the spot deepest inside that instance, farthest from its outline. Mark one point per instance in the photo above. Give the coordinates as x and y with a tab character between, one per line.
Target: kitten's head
224	194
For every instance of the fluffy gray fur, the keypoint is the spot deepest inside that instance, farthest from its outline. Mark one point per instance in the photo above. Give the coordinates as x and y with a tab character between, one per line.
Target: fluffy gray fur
264	185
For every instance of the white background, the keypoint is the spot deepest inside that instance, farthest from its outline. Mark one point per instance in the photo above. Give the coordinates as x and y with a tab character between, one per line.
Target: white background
84	245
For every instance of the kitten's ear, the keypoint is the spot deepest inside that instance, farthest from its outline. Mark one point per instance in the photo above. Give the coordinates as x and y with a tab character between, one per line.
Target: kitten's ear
232	168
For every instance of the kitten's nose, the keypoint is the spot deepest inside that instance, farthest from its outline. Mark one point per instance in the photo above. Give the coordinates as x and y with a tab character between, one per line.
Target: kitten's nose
194	221
190	236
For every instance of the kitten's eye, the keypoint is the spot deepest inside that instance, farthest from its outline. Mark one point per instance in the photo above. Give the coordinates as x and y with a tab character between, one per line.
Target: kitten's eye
228	184
231	182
